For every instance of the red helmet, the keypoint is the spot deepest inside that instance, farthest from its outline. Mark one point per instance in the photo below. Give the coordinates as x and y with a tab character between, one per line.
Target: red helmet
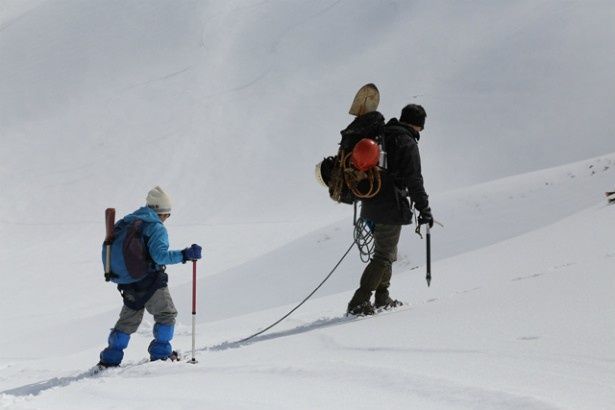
365	154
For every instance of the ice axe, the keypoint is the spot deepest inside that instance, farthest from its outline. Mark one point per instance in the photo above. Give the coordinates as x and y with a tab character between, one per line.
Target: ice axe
428	246
428	264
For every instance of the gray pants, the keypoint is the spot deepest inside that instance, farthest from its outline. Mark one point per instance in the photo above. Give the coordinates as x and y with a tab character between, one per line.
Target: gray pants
377	274
160	305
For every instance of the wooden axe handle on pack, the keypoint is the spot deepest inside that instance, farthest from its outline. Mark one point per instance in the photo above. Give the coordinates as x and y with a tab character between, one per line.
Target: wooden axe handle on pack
109	223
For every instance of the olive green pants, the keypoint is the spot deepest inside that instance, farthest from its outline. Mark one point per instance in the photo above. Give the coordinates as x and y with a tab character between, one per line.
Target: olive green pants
377	273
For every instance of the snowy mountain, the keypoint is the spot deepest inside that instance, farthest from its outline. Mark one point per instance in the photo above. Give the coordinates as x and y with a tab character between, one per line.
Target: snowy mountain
508	324
228	106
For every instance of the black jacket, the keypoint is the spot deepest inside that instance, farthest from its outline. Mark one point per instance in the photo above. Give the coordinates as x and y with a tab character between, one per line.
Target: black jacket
368	125
403	175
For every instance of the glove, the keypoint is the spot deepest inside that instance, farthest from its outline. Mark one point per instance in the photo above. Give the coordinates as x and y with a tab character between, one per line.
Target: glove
192	253
425	217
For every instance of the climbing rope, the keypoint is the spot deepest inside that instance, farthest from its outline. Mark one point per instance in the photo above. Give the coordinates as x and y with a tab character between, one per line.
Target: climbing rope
364	238
301	303
362	184
354	177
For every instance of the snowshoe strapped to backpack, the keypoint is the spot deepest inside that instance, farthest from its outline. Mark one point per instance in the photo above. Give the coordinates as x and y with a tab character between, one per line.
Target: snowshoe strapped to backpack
130	260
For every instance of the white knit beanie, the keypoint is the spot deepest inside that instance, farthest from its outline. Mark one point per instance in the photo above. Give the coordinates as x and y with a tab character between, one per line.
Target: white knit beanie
159	200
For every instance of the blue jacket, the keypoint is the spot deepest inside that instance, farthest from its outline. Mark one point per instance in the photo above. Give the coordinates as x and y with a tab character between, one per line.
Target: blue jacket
158	238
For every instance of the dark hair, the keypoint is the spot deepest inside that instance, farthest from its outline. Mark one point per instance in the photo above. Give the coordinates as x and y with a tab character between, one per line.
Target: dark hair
413	114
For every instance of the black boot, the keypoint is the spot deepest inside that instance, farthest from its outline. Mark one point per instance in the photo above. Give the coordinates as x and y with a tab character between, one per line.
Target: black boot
360	309
387	303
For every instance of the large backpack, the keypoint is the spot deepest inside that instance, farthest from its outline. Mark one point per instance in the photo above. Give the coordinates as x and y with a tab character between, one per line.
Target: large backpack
345	182
130	260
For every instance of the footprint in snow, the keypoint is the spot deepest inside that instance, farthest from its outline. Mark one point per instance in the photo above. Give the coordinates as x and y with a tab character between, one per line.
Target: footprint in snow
468	290
565	265
535	275
528	338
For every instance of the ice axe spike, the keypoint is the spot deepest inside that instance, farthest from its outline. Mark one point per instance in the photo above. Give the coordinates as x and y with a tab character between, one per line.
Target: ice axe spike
428	264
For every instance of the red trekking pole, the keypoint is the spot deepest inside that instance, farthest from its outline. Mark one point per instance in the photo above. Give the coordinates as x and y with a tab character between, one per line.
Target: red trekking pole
193	360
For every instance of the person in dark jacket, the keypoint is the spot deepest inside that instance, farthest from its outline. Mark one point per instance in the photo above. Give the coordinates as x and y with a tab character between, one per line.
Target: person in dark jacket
390	208
150	293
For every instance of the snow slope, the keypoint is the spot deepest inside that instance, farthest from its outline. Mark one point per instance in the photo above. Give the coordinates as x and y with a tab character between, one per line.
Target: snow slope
524	322
102	100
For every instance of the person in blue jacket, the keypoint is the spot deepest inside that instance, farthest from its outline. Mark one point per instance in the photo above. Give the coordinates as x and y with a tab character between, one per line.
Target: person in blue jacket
150	293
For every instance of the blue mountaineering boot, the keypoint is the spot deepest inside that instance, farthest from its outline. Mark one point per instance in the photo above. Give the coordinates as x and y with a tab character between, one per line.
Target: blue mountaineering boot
160	348
114	353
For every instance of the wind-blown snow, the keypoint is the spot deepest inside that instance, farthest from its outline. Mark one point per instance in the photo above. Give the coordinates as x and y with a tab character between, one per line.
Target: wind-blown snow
228	105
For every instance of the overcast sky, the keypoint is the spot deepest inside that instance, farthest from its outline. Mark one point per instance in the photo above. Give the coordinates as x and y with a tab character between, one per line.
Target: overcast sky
231	95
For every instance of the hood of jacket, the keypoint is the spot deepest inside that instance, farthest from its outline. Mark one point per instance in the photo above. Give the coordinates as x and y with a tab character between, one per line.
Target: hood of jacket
403	128
145	213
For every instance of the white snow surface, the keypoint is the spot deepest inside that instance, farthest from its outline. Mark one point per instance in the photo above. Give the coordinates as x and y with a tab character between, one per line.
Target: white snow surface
100	101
